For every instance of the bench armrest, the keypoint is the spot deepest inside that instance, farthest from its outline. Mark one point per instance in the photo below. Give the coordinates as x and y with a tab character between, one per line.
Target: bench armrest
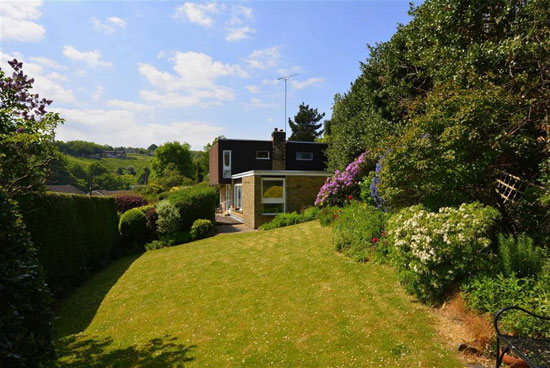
500	312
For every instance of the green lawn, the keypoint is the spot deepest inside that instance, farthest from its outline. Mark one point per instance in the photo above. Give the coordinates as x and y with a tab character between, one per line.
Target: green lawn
280	298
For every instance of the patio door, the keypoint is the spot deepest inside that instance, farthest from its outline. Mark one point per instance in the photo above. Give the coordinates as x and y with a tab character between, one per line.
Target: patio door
227	197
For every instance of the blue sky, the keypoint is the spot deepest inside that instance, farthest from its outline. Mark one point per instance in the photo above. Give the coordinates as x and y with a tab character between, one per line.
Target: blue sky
135	73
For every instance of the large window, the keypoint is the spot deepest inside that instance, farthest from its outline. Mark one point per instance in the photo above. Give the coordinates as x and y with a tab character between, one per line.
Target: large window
304	156
273	196
262	155
238	196
226	164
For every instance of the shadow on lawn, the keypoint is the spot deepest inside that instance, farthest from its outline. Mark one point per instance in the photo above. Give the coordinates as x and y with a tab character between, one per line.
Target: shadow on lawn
85	351
76	311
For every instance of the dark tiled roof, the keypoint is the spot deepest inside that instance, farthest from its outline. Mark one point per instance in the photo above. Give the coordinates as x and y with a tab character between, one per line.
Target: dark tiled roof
64	189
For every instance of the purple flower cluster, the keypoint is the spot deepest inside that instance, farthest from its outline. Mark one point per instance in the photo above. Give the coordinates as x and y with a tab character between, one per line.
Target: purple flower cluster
374	192
337	188
27	105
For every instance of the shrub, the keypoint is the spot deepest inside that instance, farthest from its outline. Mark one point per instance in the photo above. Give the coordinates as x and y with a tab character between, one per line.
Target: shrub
488	294
155	244
434	252
168	218
337	189
73	234
177	238
519	256
125	202
152	217
25	321
327	215
292	218
358	229
193	203
133	229
149	192
202	229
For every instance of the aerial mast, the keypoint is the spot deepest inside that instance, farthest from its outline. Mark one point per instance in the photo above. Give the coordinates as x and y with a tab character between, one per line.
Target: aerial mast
286	78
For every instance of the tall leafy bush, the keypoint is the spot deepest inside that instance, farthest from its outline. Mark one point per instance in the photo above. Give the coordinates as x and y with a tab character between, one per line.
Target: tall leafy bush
193	203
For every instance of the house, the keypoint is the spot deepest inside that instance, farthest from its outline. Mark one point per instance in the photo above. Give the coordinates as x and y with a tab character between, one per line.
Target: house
114	154
259	179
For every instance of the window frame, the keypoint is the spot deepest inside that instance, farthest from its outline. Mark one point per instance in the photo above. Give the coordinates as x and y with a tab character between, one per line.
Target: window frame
273	200
240	206
304	159
263	158
224	167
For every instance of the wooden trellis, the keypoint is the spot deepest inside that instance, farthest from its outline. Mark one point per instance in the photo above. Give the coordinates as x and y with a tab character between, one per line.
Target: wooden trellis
510	187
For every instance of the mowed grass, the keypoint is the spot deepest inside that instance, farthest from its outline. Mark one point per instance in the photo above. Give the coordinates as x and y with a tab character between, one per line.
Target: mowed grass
281	298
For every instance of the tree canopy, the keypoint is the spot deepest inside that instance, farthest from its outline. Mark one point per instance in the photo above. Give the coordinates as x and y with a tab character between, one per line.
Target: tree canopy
305	126
173	156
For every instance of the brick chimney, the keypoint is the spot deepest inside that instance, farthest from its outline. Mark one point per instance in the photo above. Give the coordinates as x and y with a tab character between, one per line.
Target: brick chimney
278	137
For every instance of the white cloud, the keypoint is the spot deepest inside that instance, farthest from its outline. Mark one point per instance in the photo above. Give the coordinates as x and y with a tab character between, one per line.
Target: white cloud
253	89
98	93
270	82
237	34
194	81
256	102
264	58
198	13
47	82
110	25
93	58
235	26
129	105
306	83
17	21
121	128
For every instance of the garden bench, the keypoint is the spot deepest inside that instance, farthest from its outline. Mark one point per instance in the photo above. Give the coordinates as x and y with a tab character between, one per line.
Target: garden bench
535	352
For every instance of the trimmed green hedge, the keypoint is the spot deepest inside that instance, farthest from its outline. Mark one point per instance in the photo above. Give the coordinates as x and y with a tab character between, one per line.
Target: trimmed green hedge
193	203
74	234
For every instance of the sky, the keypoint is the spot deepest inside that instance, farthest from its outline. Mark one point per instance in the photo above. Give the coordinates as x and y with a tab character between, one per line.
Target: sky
133	73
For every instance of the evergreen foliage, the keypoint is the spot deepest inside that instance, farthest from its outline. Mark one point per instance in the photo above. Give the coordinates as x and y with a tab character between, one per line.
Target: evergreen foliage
305	126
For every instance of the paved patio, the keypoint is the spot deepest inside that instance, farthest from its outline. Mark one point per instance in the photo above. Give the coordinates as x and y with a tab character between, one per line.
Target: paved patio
228	225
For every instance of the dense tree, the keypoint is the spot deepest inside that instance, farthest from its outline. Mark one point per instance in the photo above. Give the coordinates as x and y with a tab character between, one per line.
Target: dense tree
456	95
305	126
82	148
151	149
173	156
27	147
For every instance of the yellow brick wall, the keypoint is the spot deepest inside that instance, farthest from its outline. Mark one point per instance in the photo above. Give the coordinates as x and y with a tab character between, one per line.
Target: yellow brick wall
301	191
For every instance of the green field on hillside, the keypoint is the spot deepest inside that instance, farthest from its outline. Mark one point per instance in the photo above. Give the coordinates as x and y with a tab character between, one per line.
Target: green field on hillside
112	164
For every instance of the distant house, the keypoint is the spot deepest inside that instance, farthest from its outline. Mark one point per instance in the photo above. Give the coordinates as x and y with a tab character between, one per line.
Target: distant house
260	179
64	189
114	154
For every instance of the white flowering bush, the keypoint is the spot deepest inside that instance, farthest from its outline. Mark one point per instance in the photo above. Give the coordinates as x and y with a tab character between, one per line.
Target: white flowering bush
435	251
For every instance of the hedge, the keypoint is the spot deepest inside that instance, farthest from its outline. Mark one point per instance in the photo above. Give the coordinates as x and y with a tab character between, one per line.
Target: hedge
193	203
74	235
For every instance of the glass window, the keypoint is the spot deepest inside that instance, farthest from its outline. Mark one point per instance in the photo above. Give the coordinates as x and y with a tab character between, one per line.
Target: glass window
304	156
273	196
262	155
226	164
238	196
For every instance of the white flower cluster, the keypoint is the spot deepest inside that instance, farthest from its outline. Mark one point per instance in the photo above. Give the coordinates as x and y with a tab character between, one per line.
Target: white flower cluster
439	247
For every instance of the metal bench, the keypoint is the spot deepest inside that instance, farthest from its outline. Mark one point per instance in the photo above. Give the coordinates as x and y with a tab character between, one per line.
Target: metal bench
535	352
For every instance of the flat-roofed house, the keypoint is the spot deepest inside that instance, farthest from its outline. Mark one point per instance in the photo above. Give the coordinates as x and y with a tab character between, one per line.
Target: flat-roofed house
260	179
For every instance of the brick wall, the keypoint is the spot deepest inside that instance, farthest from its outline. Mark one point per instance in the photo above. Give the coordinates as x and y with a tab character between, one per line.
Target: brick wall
301	191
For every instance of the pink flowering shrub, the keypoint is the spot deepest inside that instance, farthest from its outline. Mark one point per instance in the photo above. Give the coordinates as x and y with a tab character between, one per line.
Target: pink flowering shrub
343	186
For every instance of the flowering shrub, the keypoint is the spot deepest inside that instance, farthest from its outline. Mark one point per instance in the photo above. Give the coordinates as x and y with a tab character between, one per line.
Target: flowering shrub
358	229
125	202
435	251
328	215
338	188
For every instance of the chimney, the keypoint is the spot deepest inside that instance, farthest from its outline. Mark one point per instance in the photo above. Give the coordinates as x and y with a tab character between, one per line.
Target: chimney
278	137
